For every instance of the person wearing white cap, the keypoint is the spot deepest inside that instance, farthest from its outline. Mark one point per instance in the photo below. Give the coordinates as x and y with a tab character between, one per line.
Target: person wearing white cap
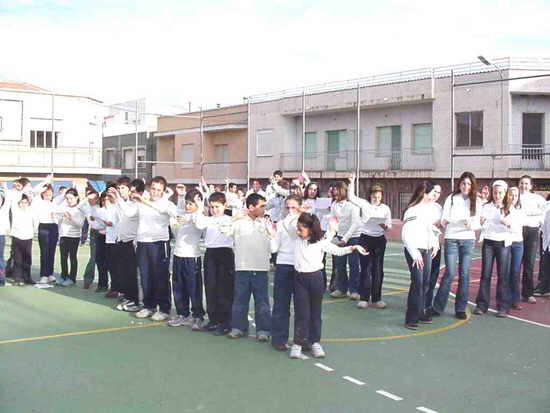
498	220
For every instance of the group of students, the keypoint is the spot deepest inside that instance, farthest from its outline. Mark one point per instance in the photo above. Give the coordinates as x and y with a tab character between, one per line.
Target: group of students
131	233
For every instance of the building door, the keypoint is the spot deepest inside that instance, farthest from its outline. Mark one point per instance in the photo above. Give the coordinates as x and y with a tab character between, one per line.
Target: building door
531	141
333	147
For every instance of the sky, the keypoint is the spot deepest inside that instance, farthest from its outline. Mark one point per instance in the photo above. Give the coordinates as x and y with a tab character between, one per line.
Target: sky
214	51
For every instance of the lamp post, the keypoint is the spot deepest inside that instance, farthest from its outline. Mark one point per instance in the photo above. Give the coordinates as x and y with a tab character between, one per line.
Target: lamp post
499	71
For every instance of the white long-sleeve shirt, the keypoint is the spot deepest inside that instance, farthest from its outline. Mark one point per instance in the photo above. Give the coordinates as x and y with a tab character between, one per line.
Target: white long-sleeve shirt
188	237
4	215
516	230
96	219
128	225
284	242
533	206
251	243
349	220
24	222
418	229
70	228
309	257
213	236
110	213
276	196
546	231
494	228
456	211
153	218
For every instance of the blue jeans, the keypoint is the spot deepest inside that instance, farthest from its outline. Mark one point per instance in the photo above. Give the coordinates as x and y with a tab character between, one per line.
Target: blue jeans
2	260
343	283
434	275
372	268
283	290
255	283
89	272
491	251
48	235
420	281
187	286
153	263
515	266
455	250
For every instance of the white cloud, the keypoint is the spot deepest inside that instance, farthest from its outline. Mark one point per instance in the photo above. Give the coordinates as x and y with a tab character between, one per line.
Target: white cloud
222	54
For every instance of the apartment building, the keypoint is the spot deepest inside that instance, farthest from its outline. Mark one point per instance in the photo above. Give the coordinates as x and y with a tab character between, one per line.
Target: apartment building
406	121
122	122
43	132
211	144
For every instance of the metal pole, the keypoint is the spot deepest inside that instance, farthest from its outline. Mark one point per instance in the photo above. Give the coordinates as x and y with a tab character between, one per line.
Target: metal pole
452	129
248	148
303	130
202	140
358	143
53	134
137	138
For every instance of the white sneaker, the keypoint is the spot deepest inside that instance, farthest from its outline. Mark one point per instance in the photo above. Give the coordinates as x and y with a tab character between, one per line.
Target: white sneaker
160	316
379	304
145	313
43	280
338	294
295	351
355	297
363	304
317	351
51	279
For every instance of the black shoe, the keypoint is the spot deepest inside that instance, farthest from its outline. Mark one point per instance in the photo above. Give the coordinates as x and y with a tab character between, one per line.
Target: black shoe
30	282
210	326
101	290
411	326
461	315
221	331
478	311
426	320
280	347
434	313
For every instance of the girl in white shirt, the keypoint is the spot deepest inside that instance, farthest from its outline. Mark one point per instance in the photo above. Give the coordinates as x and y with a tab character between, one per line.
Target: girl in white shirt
70	229
421	246
24	222
516	249
497	219
461	218
376	221
309	285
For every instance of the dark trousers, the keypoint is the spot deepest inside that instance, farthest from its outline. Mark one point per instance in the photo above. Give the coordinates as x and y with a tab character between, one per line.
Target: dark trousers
544	277
530	246
68	248
251	283
372	268
283	290
154	262
113	265
308	297
127	266
491	251
48	235
100	261
187	286
434	275
22	259
420	281
219	270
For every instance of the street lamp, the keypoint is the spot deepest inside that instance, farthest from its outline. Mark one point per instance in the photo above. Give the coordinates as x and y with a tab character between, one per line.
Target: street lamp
488	63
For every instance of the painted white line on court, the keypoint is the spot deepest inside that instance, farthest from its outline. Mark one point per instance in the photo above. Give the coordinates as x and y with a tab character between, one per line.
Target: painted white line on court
323	367
354	381
425	410
389	395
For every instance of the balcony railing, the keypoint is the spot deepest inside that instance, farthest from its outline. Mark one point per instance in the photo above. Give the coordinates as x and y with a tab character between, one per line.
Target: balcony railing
63	157
403	160
530	157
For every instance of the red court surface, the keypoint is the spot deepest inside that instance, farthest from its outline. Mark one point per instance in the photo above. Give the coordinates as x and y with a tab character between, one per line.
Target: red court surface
536	313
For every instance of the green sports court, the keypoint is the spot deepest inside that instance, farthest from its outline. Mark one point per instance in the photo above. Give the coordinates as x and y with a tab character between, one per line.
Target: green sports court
68	350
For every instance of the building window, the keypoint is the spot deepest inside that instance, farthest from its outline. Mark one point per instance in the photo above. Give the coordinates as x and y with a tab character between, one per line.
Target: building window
42	139
110	160
422	138
336	147
187	155
311	145
128	159
388	140
141	154
222	153
264	140
469	129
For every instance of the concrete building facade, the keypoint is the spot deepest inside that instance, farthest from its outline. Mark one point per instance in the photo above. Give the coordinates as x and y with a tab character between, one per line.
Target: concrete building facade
405	127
